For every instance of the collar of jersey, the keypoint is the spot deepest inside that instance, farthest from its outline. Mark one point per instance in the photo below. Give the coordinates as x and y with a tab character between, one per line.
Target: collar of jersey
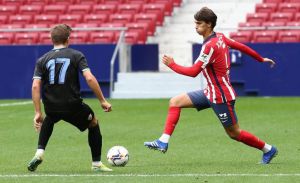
54	49
209	37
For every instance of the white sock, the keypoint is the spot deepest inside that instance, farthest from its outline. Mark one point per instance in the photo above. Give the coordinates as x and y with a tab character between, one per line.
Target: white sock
266	148
165	138
96	163
40	152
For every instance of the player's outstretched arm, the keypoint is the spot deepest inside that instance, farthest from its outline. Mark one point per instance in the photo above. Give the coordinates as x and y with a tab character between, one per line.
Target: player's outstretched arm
36	98
192	71
94	85
245	49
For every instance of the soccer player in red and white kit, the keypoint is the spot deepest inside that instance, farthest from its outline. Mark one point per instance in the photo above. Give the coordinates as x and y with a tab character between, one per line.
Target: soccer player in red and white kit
214	63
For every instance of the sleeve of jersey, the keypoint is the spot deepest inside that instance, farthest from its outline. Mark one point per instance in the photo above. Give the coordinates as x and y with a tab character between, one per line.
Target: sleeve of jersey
243	48
201	62
38	71
83	65
192	71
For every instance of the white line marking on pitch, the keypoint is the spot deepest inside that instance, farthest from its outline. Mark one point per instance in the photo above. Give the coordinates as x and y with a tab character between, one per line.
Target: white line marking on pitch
15	103
149	175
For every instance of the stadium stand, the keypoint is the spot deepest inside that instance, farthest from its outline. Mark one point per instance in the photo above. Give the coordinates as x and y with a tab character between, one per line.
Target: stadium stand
141	16
272	21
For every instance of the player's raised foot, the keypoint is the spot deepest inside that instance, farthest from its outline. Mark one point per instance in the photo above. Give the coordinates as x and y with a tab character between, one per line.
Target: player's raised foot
34	163
267	157
101	168
157	145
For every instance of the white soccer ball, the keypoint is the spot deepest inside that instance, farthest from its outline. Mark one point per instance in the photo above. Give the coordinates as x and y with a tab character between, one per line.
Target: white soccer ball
117	156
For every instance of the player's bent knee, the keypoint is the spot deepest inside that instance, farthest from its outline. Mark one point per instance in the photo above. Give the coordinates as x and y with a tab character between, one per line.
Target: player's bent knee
174	102
93	123
233	134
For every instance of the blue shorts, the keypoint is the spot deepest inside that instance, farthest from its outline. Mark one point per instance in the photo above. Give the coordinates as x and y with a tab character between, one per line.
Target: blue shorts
225	111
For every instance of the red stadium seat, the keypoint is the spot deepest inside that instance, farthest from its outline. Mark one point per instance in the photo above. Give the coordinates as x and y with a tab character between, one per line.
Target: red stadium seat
289	36
289	7
8	10
141	28
95	18
13	2
150	19
138	1
112	25
265	7
120	18
130	37
157	9
79	37
37	26
30	9
45	19
102	37
3	19
6	38
86	25
293	24
294	1
104	9
273	24
249	25
90	2
26	38
45	38
243	36
58	9
297	17
264	36
177	3
129	8
37	2
79	9
11	26
63	2
20	19
273	1
69	19
168	6
281	17
257	17
114	1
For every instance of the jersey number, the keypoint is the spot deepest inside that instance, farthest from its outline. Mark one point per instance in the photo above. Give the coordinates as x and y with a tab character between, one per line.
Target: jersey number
62	73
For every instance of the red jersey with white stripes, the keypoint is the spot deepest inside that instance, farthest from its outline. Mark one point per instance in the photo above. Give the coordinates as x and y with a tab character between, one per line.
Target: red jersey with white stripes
214	61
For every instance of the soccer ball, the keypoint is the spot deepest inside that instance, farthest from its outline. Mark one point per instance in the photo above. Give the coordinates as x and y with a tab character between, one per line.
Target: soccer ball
117	156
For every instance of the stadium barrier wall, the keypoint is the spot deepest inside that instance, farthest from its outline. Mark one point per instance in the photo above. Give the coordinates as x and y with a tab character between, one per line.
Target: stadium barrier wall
250	77
17	66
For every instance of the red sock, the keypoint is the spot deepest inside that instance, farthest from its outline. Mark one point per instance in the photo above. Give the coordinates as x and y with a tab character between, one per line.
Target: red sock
172	119
250	140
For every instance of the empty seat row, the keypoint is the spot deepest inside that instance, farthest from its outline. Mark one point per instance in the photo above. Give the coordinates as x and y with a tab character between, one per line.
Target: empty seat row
264	25
72	19
86	9
76	38
281	1
147	21
269	36
46	27
275	17
274	7
91	2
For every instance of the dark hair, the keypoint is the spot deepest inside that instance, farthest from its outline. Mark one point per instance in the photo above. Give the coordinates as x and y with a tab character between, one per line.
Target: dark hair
60	33
207	15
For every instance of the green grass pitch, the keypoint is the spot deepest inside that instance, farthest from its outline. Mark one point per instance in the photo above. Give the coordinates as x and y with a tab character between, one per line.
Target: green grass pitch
199	150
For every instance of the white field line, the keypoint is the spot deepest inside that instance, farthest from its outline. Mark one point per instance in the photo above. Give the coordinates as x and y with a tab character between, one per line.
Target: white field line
149	175
15	104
